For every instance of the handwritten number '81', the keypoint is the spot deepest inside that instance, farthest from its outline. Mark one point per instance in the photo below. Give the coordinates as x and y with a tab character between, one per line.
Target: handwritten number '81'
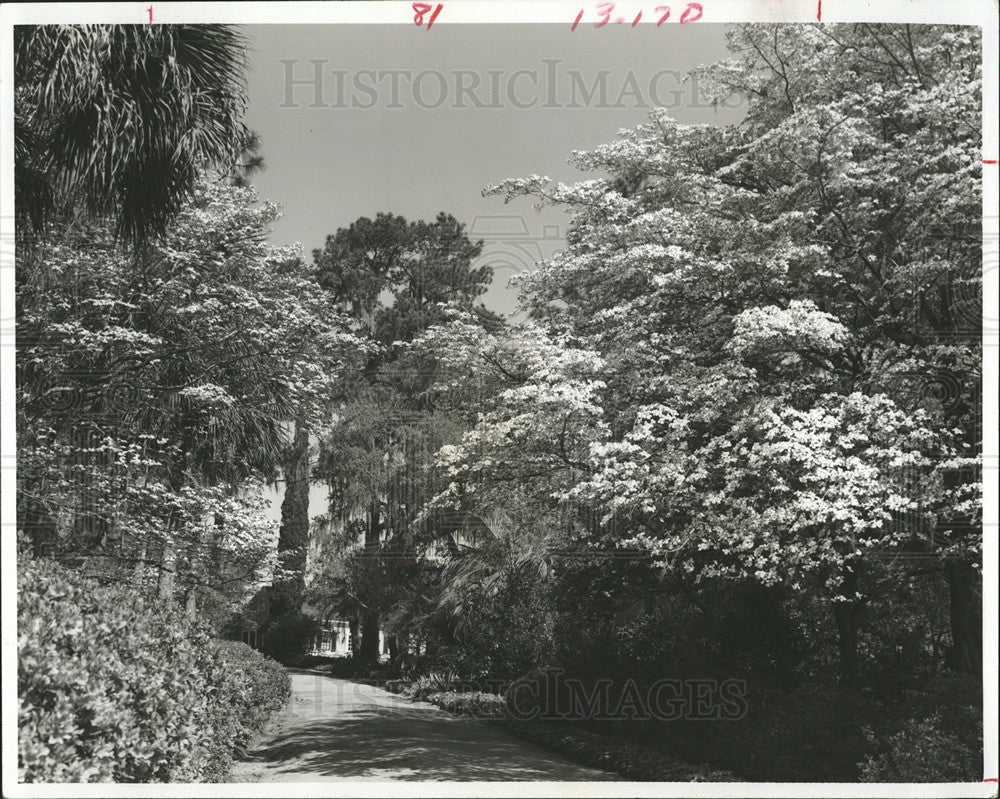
419	9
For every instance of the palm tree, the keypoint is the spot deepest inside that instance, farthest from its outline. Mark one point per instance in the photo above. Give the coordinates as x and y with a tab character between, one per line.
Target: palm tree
117	121
501	548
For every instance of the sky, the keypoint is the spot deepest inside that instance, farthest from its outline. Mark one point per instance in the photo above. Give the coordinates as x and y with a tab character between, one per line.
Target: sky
401	119
385	118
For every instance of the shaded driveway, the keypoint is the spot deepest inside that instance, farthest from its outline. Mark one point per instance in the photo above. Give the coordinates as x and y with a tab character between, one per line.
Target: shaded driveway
336	729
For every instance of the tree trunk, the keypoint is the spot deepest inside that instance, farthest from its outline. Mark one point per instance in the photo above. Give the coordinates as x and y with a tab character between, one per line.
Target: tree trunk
355	632
966	654
847	615
168	563
369	653
965	611
195	571
394	651
168	555
293	537
370	639
218	538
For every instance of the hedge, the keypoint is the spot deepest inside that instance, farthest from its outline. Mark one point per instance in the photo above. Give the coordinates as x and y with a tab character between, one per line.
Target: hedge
115	687
476	704
252	689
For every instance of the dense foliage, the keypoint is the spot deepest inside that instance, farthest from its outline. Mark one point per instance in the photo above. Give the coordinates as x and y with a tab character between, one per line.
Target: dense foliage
739	434
394	279
163	345
153	396
288	637
119	121
113	687
736	438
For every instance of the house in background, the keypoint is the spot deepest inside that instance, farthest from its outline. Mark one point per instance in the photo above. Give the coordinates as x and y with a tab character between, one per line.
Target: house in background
334	637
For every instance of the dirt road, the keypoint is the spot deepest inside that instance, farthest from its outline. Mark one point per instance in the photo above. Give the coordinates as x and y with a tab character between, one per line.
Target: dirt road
336	729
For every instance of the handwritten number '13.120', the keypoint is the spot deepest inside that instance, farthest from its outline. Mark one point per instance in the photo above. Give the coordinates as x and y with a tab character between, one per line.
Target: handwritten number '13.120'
692	13
419	9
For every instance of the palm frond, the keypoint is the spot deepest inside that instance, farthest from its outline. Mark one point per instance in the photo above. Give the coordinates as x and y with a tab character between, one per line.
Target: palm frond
120	119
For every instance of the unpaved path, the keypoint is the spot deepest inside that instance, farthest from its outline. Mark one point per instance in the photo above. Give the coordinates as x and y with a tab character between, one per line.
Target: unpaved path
336	729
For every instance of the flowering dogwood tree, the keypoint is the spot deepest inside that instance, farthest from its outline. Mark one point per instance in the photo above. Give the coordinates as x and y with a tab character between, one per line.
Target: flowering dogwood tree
153	390
770	310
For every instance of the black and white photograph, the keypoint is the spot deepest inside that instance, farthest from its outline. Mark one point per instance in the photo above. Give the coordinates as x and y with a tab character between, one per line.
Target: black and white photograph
499	399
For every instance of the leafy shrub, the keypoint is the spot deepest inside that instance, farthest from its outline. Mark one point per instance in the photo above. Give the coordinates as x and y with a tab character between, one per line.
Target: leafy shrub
813	728
344	667
432	683
476	704
924	751
937	737
396	686
289	637
113	687
499	628
253	688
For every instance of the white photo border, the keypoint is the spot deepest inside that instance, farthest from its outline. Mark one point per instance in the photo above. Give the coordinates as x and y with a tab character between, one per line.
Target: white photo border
979	13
